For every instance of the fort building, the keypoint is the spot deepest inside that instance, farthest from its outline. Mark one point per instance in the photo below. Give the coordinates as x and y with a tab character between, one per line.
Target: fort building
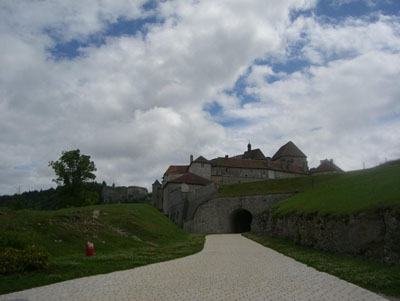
188	191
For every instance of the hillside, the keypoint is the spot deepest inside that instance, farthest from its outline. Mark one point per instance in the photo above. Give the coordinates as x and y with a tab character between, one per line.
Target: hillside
356	191
275	185
124	235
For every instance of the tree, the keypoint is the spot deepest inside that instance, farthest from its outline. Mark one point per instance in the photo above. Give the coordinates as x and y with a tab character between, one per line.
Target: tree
73	172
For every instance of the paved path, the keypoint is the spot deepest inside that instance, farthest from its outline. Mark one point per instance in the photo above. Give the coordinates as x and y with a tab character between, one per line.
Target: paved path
230	267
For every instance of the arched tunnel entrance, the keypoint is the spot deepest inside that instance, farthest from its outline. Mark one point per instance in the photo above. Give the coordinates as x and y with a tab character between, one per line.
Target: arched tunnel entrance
240	221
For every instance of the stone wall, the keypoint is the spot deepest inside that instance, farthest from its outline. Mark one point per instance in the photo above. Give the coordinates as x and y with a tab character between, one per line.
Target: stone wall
201	169
122	194
156	200
231	175
375	235
214	215
182	200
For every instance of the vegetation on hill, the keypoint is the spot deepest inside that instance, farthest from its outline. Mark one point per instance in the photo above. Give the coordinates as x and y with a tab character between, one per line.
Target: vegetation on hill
352	192
297	184
363	190
124	235
377	277
49	199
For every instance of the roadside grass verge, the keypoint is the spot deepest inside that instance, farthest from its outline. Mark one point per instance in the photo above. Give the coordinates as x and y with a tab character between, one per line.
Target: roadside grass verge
125	236
377	277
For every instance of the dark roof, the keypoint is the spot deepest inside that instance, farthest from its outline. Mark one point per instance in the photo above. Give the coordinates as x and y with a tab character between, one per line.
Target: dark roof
190	178
255	154
240	163
254	164
156	182
326	166
176	169
201	159
289	150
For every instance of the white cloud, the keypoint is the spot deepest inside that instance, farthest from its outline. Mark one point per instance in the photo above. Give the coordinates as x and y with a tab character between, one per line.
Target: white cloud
135	104
347	108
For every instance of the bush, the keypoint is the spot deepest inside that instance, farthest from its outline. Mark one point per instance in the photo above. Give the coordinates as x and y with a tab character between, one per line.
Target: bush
11	261
15	240
17	261
35	258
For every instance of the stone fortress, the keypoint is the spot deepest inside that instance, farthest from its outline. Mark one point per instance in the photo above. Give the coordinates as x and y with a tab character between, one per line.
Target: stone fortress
188	194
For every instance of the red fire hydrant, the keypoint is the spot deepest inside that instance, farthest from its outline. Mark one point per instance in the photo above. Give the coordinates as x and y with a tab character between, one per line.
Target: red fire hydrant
89	249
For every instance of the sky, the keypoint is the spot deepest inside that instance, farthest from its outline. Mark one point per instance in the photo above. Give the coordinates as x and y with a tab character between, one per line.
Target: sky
141	85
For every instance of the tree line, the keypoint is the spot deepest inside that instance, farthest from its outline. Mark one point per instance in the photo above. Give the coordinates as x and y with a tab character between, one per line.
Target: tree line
76	186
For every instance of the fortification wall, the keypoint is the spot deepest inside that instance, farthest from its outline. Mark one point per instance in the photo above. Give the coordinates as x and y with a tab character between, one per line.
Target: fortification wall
375	235
213	216
122	194
201	169
182	199
242	175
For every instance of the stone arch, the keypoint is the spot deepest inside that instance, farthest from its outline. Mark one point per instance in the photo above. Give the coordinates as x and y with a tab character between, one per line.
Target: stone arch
240	221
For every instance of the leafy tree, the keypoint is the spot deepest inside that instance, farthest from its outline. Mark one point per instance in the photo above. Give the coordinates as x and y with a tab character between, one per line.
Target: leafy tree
74	171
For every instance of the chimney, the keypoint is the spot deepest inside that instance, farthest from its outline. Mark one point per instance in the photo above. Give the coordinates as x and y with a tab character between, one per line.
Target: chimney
191	159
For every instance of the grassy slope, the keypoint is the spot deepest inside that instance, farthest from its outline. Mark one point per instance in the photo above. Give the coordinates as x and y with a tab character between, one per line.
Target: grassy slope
357	191
275	186
125	236
377	277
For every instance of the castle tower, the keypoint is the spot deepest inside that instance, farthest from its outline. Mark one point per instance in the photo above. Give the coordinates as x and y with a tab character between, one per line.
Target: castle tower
249	147
156	197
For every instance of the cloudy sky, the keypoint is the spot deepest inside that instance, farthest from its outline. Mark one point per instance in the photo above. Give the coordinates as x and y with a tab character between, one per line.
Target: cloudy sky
139	85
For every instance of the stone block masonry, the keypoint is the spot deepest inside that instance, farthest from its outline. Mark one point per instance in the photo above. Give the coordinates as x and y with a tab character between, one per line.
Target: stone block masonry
374	235
217	214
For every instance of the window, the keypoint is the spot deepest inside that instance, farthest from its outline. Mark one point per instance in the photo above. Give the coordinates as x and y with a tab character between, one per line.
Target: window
202	165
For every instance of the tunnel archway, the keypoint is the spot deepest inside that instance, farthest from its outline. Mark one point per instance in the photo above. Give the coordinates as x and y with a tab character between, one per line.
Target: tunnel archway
240	221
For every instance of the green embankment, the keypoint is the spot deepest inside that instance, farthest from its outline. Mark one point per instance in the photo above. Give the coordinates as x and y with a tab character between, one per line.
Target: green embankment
378	277
358	191
351	192
297	184
125	236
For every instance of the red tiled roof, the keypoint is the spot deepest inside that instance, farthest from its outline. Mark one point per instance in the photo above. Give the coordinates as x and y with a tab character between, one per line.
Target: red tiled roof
176	169
190	178
289	150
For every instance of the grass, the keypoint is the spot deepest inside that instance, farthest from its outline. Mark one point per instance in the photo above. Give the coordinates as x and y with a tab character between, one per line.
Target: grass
377	277
351	192
125	236
275	185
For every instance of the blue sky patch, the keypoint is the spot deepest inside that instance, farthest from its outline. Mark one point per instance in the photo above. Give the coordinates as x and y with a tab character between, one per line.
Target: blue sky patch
239	89
214	108
123	27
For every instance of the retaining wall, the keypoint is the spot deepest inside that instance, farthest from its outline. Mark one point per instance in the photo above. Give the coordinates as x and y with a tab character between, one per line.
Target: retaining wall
375	235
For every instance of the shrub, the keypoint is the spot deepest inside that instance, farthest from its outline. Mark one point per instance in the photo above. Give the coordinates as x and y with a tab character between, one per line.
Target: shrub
10	261
15	240
29	259
35	258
